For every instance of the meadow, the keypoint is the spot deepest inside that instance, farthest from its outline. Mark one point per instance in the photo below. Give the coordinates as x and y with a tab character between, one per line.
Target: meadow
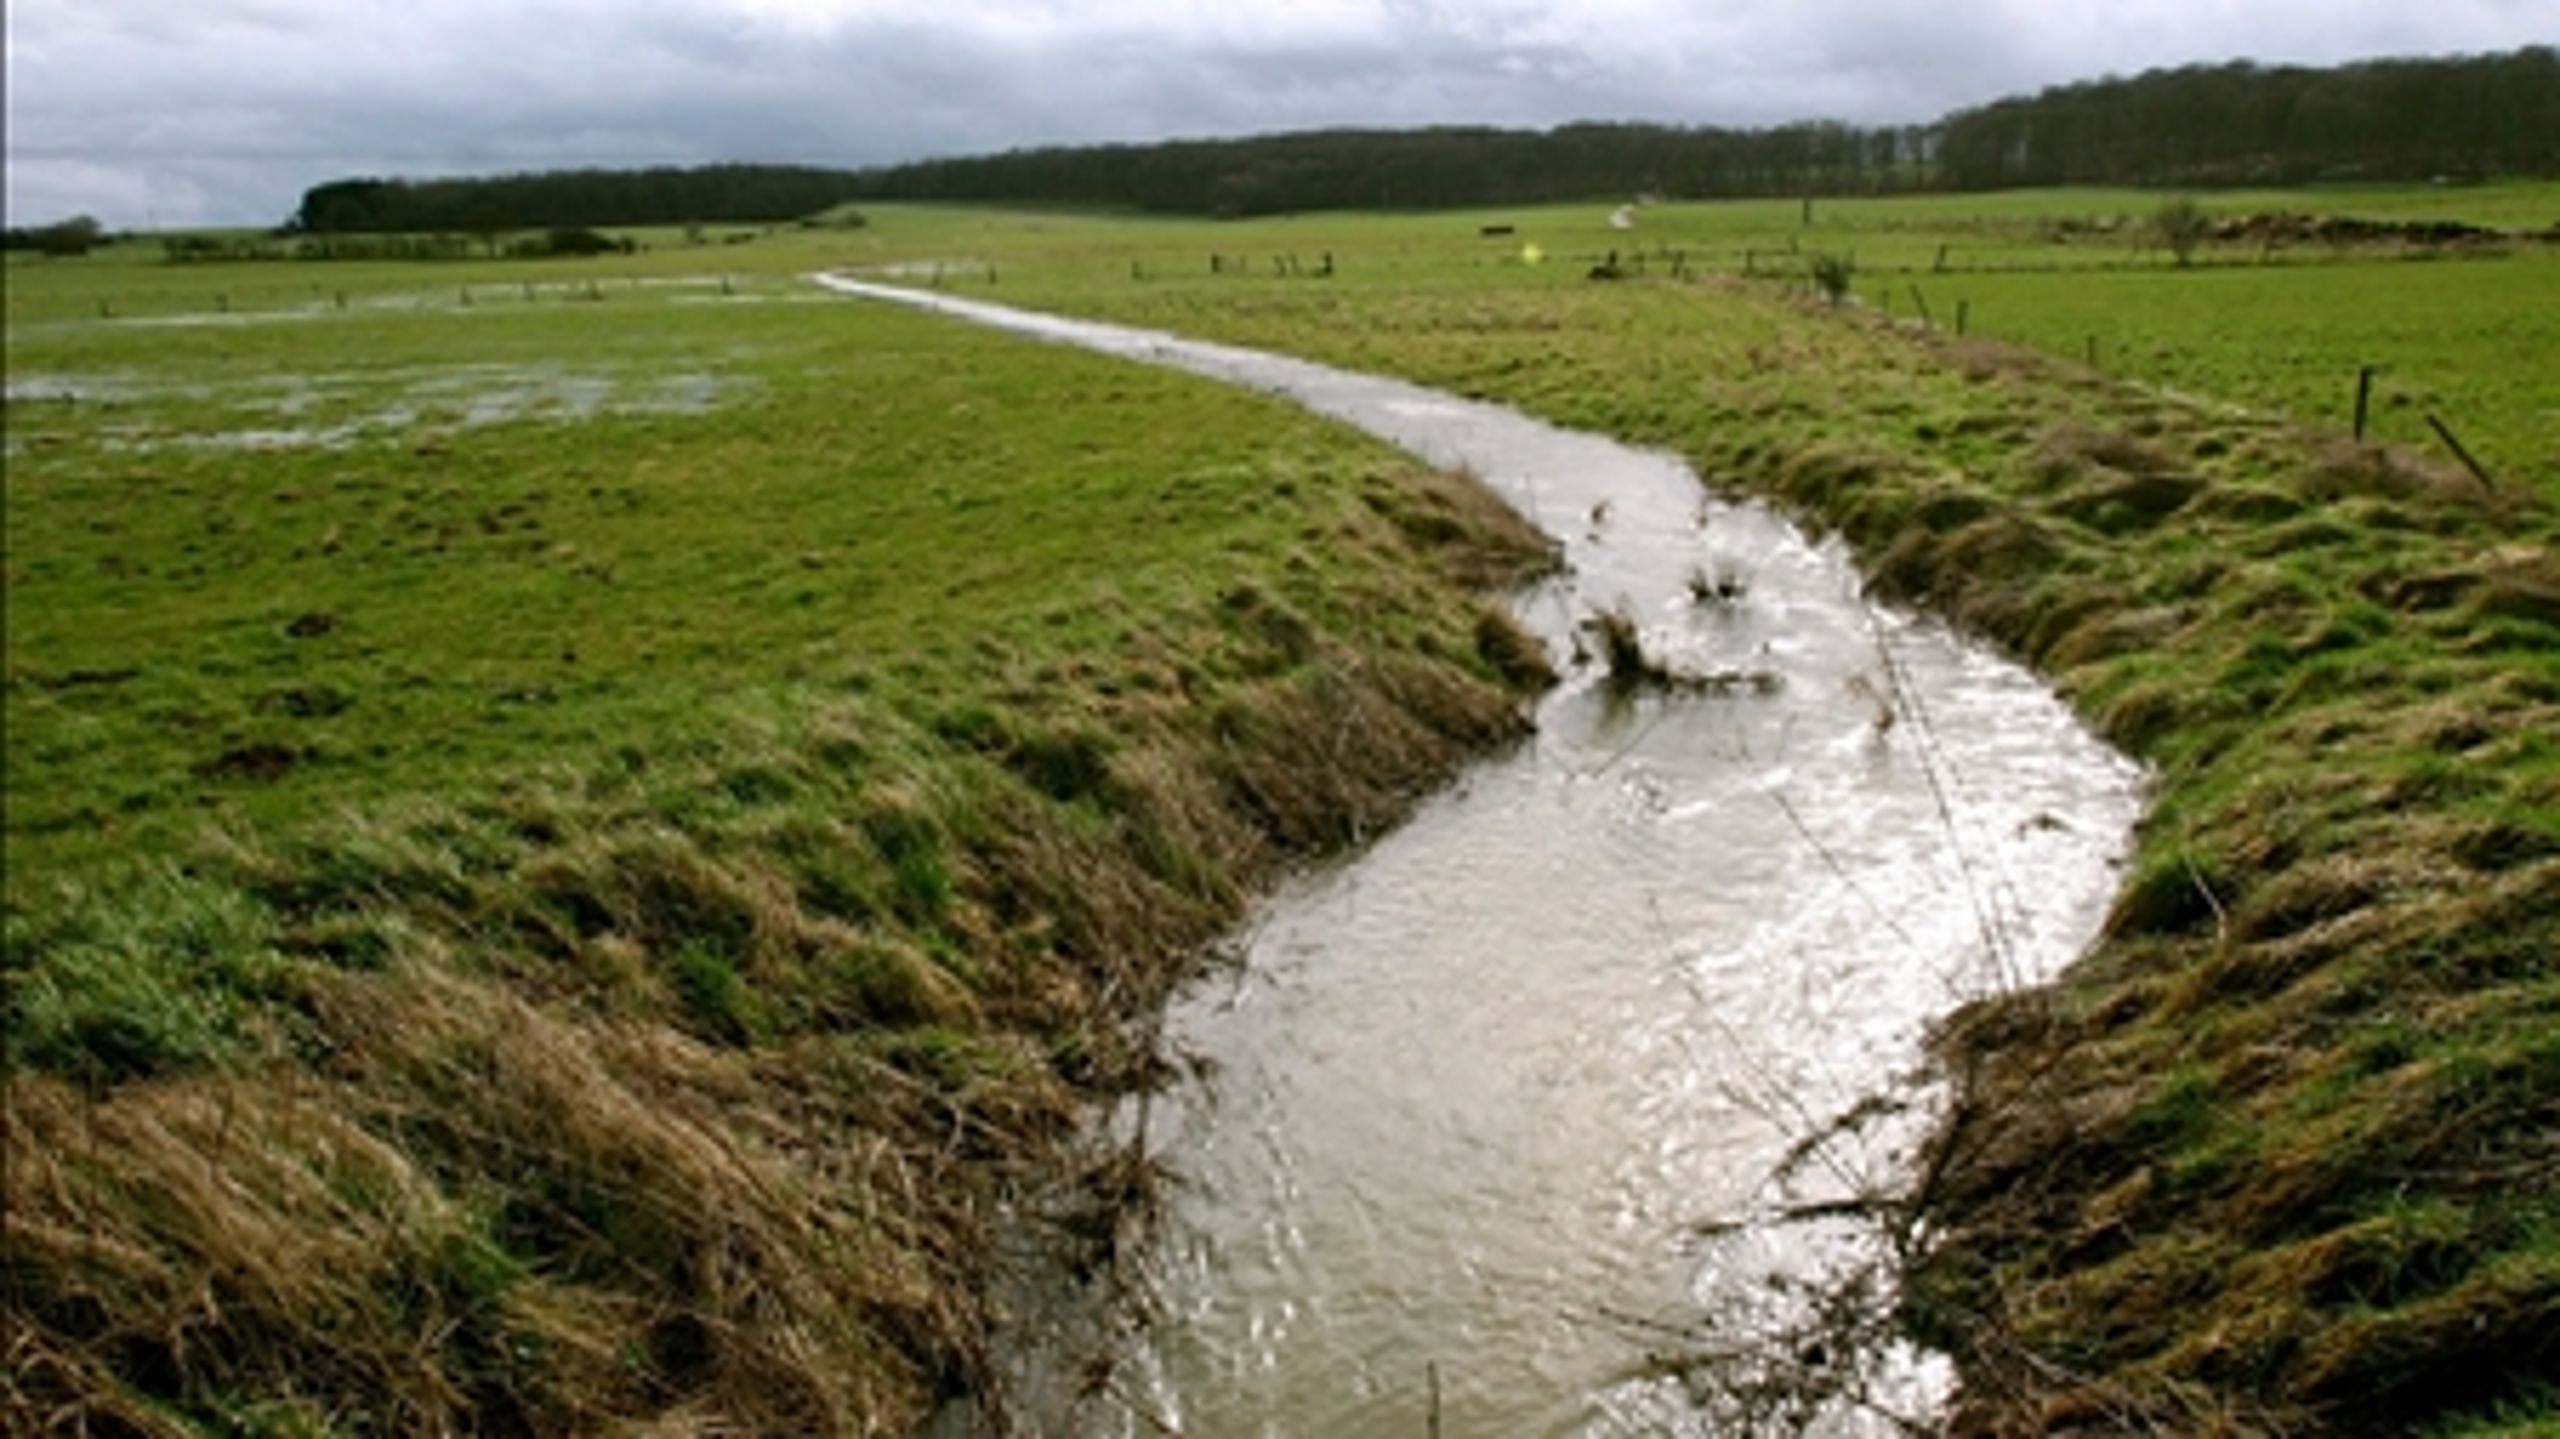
797	741
566	849
2460	330
2274	1158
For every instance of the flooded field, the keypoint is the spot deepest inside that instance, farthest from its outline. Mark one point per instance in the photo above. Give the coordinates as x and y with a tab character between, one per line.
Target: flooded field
1511	1123
331	410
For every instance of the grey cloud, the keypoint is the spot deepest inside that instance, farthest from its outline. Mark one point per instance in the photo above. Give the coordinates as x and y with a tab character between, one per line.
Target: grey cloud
224	110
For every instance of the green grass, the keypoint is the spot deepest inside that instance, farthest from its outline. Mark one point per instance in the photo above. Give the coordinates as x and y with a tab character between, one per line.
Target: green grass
613	829
2460	339
2275	1158
932	691
2466	335
215	616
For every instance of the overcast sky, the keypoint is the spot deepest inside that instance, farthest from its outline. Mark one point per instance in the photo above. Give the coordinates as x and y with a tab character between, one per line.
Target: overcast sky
183	112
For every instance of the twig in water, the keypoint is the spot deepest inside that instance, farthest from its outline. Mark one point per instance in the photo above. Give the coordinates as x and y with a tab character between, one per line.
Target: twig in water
1987	913
1838	870
1112	1386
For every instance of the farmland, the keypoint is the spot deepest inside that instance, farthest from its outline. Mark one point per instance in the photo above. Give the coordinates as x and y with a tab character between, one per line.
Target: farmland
644	679
2453	329
620	825
2275	1157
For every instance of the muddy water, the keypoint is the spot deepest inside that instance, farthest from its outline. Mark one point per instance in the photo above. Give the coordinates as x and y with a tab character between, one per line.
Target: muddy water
1492	1114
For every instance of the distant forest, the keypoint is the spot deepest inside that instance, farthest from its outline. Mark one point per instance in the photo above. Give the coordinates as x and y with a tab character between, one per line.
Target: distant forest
573	199
2467	117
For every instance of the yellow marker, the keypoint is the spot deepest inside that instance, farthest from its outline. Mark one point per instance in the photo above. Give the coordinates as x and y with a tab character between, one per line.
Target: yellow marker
1531	254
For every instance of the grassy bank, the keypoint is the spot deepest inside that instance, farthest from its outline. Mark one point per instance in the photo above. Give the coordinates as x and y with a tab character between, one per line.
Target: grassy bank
565	854
815	957
2277	1157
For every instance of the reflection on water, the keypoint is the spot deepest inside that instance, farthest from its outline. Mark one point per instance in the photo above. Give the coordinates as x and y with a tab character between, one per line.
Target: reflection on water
1494	1112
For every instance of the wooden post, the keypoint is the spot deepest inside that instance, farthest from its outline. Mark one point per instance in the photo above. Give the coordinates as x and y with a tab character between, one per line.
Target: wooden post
1434	1371
1808	209
1939	266
2364	395
2446	434
1964	310
1927	319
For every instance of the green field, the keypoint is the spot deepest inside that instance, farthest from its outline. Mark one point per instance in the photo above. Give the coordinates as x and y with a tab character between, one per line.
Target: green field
617	802
278	567
2275	1158
2465	334
619	825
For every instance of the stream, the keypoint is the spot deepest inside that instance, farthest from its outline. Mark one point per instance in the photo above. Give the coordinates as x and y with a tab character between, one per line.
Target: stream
1491	1124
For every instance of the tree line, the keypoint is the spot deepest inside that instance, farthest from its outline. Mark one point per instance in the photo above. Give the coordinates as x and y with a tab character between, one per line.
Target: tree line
2201	125
2466	117
572	200
2195	126
1425	169
75	236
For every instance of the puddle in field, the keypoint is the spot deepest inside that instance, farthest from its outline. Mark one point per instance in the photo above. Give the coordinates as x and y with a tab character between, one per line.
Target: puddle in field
219	319
1491	1117
41	387
333	410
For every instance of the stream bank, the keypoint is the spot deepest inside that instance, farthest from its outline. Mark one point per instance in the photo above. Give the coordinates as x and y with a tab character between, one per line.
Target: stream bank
2275	1157
1496	1111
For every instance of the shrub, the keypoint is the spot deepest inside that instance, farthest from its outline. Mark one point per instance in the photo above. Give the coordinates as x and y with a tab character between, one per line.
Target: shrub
1831	275
2181	224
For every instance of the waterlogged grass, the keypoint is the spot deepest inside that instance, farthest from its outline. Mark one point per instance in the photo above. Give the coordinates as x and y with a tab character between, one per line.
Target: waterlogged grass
435	567
2277	1156
564	853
